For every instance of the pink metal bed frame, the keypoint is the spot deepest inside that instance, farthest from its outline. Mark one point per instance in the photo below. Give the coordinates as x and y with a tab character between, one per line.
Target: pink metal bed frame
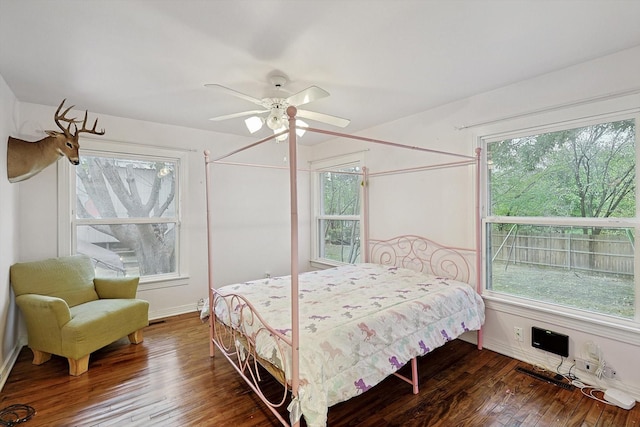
404	251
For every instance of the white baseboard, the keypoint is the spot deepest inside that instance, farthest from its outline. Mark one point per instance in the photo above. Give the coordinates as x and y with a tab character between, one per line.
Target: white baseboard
551	362
173	311
7	366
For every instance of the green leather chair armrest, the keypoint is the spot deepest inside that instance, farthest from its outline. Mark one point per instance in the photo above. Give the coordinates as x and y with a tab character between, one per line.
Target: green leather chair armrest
116	287
44	310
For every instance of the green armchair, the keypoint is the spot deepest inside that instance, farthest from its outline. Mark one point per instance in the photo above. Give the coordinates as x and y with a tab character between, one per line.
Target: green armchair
70	313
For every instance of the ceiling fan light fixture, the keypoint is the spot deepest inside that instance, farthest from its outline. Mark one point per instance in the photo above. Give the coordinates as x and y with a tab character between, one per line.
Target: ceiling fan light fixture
301	132
254	123
274	120
282	137
283	128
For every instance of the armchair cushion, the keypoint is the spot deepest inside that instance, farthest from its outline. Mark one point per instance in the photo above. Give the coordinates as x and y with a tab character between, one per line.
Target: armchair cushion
98	323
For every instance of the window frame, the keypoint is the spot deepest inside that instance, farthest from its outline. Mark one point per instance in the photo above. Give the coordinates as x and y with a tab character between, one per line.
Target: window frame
580	319
318	167
67	230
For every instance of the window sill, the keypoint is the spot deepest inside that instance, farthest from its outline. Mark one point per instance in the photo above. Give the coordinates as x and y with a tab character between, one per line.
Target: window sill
323	264
610	327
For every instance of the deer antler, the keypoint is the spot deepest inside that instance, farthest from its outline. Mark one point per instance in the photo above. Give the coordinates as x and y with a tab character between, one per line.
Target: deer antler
84	126
58	117
72	121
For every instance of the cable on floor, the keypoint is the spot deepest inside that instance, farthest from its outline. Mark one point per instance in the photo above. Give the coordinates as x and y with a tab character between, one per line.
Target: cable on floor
590	390
586	389
16	414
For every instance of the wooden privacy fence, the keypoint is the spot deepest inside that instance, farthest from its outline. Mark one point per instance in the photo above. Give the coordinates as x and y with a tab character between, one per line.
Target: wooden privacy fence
597	253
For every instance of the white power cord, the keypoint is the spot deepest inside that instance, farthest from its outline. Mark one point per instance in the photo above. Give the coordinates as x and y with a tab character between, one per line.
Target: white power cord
591	389
600	369
594	353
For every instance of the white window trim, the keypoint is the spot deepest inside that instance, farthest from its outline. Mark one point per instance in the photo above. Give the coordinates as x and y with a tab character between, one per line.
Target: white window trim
328	164
589	322
66	203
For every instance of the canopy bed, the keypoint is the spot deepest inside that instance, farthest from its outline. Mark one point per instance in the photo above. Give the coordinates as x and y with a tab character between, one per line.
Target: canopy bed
350	326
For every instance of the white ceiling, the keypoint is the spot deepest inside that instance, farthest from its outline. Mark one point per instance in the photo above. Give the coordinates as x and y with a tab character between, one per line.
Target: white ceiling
379	60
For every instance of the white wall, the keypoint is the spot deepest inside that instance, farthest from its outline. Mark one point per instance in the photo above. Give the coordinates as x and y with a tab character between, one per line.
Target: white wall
440	204
250	207
413	203
9	325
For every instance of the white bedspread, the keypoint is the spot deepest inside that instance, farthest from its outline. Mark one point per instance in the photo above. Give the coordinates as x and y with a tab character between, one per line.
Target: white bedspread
358	324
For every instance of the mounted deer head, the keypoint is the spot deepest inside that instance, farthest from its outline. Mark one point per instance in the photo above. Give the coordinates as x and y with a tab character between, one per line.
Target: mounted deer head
25	159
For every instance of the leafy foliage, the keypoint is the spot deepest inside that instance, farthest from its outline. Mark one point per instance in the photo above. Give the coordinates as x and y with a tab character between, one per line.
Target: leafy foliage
584	172
341	197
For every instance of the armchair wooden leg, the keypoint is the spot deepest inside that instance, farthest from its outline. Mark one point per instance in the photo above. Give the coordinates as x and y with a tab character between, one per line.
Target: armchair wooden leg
136	337
39	357
78	366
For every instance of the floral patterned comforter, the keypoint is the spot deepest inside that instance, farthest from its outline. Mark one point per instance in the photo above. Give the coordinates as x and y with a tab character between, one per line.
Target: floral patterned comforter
358	324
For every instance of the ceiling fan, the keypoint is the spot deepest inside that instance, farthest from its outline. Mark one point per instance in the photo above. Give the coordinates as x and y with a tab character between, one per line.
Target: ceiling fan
274	109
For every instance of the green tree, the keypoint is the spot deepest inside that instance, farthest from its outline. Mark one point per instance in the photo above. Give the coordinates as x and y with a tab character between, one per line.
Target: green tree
341	196
585	172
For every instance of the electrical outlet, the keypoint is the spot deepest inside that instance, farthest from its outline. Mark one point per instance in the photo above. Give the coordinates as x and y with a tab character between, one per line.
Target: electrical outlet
585	365
609	372
518	334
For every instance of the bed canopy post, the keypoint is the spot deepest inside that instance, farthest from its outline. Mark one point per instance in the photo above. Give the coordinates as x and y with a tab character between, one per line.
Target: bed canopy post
365	220
478	213
295	321
207	173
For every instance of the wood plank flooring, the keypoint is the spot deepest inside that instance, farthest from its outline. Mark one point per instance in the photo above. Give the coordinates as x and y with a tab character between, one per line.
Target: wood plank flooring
170	380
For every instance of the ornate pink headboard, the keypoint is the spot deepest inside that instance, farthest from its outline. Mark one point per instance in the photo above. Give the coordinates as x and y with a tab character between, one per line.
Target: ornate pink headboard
421	254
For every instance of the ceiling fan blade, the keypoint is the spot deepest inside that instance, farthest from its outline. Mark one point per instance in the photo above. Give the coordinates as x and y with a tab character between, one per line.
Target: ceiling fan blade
307	95
234	93
325	118
234	115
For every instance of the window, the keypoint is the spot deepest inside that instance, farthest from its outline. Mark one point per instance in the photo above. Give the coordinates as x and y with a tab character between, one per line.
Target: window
562	217
337	210
125	211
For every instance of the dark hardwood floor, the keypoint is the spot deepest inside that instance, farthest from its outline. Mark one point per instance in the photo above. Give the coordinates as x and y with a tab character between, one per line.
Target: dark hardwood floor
169	380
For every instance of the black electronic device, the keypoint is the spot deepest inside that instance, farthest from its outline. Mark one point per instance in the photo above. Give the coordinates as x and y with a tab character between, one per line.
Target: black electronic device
550	341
